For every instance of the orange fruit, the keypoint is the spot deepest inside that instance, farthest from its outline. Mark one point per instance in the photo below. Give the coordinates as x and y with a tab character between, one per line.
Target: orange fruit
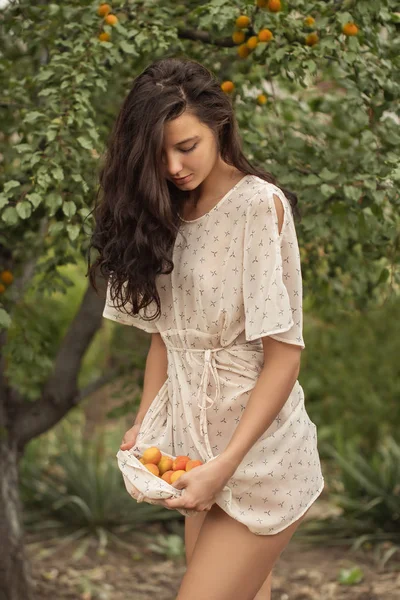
243	50
312	38
104	36
309	21
103	10
252	42
274	5
7	277
153	469
191	464
242	22
167	476
350	29
262	99
265	35
176	474
111	20
152	455
180	463
2	288
238	37
165	464
227	86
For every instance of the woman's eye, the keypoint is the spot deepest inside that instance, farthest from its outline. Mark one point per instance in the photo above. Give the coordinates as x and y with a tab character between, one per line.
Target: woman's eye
190	149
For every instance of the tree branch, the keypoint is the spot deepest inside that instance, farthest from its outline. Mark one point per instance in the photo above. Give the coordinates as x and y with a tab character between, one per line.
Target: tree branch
60	393
205	38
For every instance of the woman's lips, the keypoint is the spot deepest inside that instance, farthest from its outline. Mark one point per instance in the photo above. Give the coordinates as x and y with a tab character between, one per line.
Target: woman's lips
184	179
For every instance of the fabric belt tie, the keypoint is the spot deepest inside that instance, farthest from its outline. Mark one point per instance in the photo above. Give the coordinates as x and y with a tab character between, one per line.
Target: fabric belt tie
204	401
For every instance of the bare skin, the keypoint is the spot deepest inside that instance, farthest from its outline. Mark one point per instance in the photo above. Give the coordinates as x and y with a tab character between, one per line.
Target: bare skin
237	563
210	176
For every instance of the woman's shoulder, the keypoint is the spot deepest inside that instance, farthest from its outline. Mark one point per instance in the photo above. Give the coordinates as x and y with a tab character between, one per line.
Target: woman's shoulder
261	192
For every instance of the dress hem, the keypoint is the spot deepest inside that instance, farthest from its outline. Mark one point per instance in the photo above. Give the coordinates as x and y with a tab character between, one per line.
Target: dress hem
122	321
313	499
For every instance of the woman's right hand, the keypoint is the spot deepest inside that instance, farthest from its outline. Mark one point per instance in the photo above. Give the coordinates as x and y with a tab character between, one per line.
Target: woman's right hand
130	436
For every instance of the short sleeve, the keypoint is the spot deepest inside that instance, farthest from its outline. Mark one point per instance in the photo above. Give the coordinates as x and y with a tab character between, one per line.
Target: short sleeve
272	282
119	315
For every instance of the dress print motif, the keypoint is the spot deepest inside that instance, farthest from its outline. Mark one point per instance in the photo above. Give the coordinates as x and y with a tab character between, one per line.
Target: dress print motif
235	280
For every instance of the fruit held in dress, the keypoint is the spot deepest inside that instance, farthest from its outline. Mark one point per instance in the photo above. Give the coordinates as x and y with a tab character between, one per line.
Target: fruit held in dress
167	468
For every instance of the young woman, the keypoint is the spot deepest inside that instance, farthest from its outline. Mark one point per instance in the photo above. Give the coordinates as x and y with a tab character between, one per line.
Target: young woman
200	250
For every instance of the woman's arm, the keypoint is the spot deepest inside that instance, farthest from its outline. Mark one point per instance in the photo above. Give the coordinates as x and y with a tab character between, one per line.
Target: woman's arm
275	382
155	374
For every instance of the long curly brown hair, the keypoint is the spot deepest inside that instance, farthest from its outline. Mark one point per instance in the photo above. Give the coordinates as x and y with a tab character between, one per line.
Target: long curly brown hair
136	221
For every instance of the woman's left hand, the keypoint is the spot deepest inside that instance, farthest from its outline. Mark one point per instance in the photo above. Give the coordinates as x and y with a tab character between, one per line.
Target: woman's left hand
202	484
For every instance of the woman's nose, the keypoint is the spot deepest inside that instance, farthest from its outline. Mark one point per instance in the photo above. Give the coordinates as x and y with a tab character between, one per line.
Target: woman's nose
173	165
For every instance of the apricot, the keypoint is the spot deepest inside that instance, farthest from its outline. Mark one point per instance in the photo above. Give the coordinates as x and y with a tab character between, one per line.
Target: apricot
238	37
312	39
152	455
262	99
227	86
167	476
274	5
176	474
180	463
191	464
243	50
265	35
7	277
165	464
350	29
242	22
261	3
104	36
2	288
309	21
103	10
142	461
152	468
252	42
111	20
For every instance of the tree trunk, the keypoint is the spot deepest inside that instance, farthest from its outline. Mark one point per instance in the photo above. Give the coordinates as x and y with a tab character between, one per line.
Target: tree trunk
15	576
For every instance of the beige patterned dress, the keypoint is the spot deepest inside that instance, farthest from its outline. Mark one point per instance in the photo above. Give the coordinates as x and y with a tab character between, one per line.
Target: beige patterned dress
235	280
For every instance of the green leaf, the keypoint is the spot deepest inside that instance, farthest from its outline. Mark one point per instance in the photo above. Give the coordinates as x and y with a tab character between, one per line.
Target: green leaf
3	200
5	319
58	174
351	192
31	117
34	198
24	209
73	231
85	143
56	227
69	208
351	576
9	185
9	215
327	190
327	175
128	48
53	202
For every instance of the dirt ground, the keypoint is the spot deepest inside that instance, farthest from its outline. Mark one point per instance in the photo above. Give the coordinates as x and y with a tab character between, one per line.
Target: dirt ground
303	572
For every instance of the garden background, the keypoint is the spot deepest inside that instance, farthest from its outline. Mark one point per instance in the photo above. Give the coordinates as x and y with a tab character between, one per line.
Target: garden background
315	86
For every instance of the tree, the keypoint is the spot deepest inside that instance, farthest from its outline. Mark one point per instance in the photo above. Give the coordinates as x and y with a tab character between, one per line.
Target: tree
315	92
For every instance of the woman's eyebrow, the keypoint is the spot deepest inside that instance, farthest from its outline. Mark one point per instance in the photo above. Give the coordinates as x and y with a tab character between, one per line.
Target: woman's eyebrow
187	140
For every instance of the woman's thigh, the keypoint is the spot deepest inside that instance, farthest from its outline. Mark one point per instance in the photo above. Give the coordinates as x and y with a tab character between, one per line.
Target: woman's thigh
229	561
193	525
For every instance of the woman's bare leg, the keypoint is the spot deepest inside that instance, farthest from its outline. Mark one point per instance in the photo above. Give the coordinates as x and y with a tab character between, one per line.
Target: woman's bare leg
192	530
229	561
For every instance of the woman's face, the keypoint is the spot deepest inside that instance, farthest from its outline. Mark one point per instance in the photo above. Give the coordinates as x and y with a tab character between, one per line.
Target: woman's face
189	149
